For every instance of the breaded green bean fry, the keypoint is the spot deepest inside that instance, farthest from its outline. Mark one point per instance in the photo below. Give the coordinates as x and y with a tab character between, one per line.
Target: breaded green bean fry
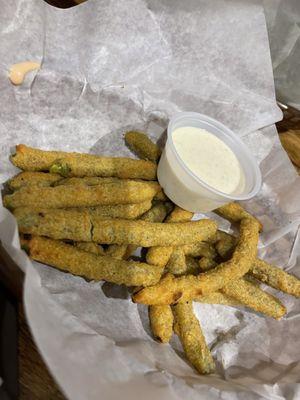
77	164
55	223
275	277
188	329
119	251
123	168
225	245
80	226
179	215
217	298
248	293
81	196
148	234
269	274
206	264
124	211
177	264
161	322
96	180
142	146
78	262
160	255
170	290
240	262
86	181
253	297
192	267
90	247
156	214
28	178
200	249
234	212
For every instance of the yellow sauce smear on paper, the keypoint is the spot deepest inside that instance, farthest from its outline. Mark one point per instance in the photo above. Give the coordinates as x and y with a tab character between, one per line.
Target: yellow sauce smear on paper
18	71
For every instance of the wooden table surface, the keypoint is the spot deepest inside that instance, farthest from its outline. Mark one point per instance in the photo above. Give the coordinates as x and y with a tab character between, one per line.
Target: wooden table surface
35	380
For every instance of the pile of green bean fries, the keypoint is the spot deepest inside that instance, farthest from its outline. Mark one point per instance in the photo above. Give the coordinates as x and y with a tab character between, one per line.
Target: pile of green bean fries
86	215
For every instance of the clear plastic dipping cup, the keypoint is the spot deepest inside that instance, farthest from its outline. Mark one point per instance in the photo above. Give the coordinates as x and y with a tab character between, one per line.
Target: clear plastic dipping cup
185	188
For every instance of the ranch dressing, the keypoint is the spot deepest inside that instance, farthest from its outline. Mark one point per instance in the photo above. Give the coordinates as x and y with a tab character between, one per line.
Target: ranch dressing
209	158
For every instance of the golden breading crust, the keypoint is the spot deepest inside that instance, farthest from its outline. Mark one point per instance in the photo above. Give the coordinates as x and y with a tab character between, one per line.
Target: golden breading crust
28	178
142	146
147	234
90	247
78	262
169	290
264	272
177	264
81	196
188	329
217	298
234	212
124	211
160	255
161	322
275	277
156	214
57	224
77	164
205	264
253	297
199	250
80	226
96	180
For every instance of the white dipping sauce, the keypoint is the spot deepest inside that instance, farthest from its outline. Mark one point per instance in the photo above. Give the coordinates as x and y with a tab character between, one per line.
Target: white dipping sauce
209	158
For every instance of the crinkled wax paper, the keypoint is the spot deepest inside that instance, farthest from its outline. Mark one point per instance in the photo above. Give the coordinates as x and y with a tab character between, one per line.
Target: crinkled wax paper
283	21
112	65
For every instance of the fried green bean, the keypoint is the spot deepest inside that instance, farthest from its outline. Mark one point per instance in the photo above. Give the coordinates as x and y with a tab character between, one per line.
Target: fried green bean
225	244
161	322
142	146
81	196
160	255
156	214
147	234
200	249
96	180
86	180
80	226
119	251
240	262
216	298
170	289
192	267
234	212
248	293
90	266
188	329
269	274
275	277
55	223
177	264
124	211
28	178
77	164
90	247
206	263
253	297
